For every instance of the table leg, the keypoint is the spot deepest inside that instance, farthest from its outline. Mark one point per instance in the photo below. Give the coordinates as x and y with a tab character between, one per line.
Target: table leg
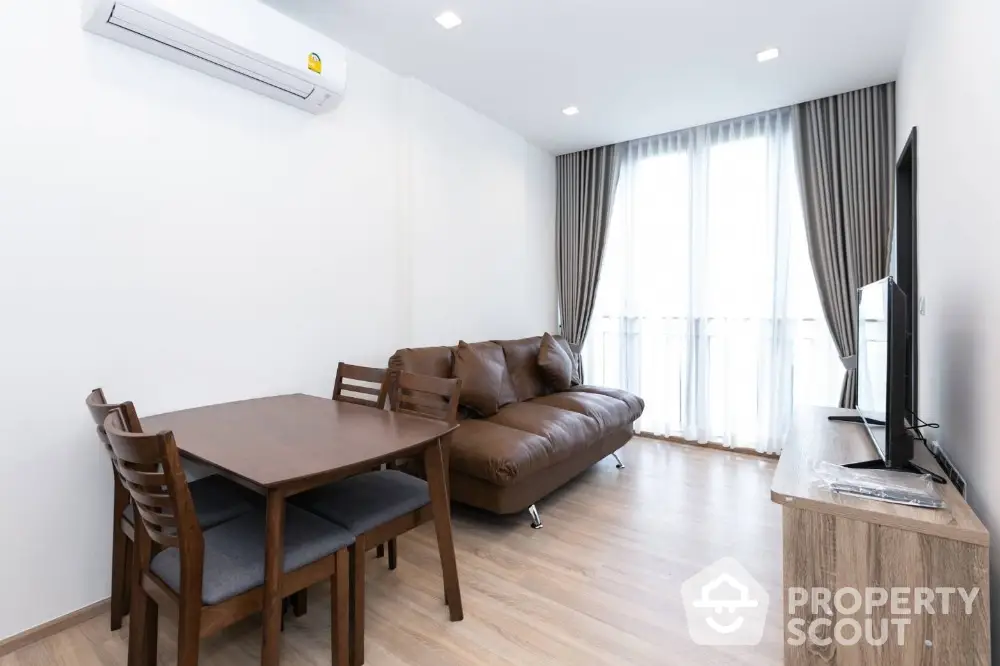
436	482
274	547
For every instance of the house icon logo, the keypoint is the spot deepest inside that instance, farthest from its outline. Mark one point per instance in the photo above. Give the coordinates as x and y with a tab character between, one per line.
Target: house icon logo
725	605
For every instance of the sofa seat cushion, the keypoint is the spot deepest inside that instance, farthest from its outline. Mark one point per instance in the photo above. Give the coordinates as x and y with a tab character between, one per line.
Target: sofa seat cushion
636	405
495	453
609	412
565	431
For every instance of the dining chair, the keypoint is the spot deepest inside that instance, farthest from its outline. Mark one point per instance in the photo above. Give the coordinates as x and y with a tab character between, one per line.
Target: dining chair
213	578
380	506
370	387
216	500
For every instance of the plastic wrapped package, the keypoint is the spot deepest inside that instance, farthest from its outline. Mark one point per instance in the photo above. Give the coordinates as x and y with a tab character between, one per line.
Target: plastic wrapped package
878	484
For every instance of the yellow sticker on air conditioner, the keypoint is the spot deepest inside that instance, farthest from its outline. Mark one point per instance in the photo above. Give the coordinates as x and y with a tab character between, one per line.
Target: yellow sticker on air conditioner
315	64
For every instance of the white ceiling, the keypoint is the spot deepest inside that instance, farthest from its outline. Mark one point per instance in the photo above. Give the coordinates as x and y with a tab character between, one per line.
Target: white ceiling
633	67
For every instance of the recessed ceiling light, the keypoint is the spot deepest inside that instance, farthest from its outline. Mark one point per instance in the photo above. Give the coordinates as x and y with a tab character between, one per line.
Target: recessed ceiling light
449	20
769	54
571	111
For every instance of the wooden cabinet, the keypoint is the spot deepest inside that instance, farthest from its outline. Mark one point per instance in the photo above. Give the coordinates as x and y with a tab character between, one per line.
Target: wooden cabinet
932	564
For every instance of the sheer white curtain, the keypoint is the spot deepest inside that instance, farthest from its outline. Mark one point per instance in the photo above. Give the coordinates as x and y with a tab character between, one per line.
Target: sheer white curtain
707	305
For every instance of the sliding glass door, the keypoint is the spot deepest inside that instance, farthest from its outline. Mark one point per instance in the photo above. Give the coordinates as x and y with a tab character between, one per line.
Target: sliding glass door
707	306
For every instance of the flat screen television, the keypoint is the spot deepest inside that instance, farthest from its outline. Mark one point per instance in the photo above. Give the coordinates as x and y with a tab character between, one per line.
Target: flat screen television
884	377
904	254
883	371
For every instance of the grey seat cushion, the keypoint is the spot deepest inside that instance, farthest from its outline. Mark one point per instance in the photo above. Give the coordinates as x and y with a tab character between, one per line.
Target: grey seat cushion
366	501
234	552
216	500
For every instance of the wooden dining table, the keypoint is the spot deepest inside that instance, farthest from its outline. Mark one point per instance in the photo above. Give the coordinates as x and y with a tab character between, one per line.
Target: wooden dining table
284	445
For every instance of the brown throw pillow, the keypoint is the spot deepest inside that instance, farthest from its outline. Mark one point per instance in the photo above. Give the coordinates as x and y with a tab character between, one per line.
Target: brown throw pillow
486	385
574	357
556	364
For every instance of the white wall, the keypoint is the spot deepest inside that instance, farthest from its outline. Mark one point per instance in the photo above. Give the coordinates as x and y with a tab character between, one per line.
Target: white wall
949	87
487	223
243	246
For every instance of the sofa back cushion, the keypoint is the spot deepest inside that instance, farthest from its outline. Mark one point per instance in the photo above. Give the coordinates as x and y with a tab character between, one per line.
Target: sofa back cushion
575	357
522	363
430	361
486	384
556	364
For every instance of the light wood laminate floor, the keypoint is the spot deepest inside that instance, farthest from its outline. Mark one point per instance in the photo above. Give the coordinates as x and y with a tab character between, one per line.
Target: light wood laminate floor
600	584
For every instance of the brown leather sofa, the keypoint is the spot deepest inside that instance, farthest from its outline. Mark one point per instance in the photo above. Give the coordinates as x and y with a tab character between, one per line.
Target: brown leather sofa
507	462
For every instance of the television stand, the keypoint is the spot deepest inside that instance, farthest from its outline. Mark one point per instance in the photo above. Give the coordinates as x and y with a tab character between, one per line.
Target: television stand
909	468
856	419
833	544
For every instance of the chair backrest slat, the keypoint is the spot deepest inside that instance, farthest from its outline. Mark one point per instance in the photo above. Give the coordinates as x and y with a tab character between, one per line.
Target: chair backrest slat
437	414
166	520
360	385
364	402
431	397
366	390
152	500
140	480
417	400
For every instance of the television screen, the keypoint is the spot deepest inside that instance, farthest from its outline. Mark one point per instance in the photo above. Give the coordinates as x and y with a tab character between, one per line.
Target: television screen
873	353
882	370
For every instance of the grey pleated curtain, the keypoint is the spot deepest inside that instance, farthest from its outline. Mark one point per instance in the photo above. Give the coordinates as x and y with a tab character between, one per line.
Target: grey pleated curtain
846	161
585	184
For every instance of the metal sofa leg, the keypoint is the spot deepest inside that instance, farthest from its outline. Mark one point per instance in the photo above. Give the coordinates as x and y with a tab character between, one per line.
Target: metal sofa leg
621	465
536	520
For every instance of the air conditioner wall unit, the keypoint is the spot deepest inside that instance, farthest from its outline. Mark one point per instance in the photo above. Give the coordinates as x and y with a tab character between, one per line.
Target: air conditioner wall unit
244	42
